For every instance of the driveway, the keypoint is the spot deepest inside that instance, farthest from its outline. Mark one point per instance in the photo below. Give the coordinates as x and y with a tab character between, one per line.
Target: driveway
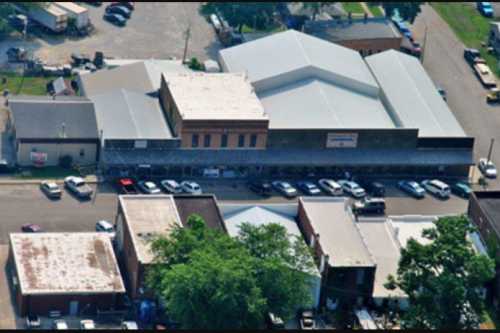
155	30
444	62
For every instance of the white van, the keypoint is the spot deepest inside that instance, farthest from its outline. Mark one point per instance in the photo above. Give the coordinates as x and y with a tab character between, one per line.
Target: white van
437	188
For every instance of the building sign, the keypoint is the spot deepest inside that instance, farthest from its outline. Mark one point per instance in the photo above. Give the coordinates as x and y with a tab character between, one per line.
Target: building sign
38	159
342	140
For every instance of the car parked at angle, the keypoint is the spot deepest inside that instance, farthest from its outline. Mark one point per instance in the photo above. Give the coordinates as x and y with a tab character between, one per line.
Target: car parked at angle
437	188
120	10
171	186
412	188
33	321
127	4
308	188
285	188
485	9
369	206
116	19
191	187
31	228
104	226
77	186
148	187
461	189
87	324
330	186
60	324
51	189
307	321
487	168
472	56
375	189
352	188
129	325
262	188
126	186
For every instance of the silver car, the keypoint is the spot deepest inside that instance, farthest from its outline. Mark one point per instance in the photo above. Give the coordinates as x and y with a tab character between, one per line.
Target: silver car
285	188
487	168
78	186
148	187
171	186
191	187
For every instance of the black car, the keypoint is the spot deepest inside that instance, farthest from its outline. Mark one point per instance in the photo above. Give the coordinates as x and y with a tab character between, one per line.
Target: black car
375	189
127	4
470	55
369	206
116	19
261	188
121	10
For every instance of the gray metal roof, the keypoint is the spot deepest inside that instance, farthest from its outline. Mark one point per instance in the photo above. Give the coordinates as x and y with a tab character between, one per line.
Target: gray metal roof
284	157
125	114
314	103
43	117
339	237
411	97
342	30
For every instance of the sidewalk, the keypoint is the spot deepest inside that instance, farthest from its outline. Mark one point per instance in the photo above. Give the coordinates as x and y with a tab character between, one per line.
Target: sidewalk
91	179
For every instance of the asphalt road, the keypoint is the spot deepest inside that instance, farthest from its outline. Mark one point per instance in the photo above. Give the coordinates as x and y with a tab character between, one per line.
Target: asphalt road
155	30
443	60
20	204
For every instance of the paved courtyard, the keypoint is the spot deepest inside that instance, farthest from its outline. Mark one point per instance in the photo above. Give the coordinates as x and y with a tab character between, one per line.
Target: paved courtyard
155	30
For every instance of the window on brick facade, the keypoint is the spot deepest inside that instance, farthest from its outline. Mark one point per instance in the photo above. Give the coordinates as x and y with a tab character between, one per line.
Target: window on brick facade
207	140
194	140
253	140
241	140
223	140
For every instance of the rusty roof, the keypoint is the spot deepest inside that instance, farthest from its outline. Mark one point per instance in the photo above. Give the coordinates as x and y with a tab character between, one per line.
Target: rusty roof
66	263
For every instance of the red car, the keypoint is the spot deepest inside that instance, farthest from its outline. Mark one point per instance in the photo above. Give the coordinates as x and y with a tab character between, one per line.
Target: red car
31	228
127	186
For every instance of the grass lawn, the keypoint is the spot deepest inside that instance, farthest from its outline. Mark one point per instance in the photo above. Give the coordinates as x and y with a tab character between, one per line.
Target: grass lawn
469	25
30	85
46	173
353	7
375	9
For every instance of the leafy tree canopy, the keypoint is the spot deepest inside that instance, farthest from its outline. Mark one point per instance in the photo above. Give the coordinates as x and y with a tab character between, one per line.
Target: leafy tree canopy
408	10
443	278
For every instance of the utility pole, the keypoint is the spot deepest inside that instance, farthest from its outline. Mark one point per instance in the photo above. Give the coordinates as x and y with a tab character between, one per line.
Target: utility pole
424	46
491	149
187	35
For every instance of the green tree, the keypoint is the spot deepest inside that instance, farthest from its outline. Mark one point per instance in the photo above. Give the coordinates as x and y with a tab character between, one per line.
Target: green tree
443	278
283	266
209	280
316	7
408	10
258	15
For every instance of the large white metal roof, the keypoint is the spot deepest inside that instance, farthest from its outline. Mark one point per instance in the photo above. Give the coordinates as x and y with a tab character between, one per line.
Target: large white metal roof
411	97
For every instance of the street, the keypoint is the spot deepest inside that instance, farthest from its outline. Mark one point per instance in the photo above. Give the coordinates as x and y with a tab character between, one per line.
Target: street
443	60
23	204
155	30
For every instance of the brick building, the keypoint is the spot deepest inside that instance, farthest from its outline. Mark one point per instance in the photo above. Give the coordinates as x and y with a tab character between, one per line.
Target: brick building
72	273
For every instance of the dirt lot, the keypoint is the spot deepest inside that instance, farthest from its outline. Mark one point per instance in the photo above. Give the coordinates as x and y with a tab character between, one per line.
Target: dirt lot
155	30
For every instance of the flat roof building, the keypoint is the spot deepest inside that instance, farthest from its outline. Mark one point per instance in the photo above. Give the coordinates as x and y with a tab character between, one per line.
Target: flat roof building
64	272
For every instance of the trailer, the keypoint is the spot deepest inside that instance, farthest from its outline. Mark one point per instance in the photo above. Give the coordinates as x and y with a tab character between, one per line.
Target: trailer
78	13
485	75
50	17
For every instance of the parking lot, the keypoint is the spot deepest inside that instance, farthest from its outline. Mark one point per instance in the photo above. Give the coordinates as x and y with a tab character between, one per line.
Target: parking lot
22	204
155	30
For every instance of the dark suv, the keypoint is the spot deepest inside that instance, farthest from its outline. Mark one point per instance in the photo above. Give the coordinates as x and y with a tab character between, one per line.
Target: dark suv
369	206
260	187
375	189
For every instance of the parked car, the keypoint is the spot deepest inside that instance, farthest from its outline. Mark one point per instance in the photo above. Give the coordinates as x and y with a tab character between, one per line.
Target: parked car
461	189
442	92
33	321
285	188
369	206
120	10
375	189
191	188
51	189
437	188
127	4
129	325
78	186
127	186
87	324
30	227
485	9
260	187
104	226
116	19
60	324
171	186
148	187
352	188
487	168
274	322
307	321
330	186
308	188
412	188
471	55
